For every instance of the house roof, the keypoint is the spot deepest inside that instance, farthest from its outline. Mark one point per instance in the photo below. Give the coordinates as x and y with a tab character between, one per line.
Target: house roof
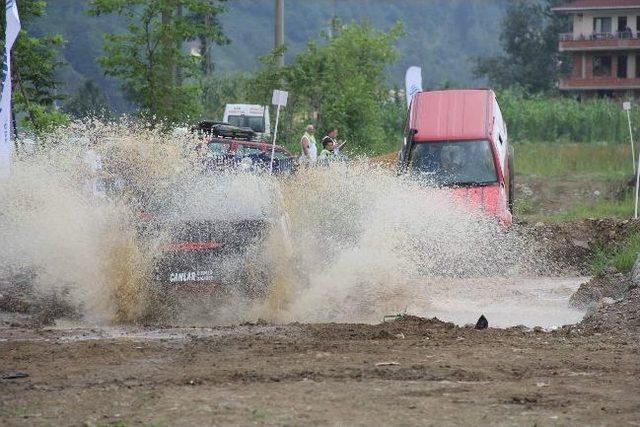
584	5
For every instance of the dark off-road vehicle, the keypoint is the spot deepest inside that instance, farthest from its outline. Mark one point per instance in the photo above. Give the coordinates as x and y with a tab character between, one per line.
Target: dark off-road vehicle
216	227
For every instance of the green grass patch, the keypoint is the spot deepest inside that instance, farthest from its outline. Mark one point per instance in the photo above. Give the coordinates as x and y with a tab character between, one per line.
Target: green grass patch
258	414
623	208
621	258
579	161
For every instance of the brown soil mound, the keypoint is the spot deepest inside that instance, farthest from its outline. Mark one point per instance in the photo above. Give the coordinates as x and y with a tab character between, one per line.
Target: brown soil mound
33	308
608	284
574	243
621	318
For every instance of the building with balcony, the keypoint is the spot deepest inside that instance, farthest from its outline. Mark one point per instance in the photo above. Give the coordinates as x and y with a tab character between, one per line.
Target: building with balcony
604	46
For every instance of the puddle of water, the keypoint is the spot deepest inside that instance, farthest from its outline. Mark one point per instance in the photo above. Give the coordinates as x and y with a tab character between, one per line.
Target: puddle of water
505	302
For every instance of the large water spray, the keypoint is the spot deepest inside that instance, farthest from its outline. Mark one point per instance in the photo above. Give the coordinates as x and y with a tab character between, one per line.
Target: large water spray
347	242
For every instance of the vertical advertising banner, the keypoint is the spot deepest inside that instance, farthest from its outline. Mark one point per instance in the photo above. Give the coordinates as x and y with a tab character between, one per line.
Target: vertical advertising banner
412	82
6	146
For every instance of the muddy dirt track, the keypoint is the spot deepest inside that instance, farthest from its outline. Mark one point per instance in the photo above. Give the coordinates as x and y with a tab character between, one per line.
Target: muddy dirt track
407	372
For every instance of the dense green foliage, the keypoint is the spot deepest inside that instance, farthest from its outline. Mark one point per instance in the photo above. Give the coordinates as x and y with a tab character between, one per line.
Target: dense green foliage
35	61
529	38
219	90
88	101
445	36
155	70
84	40
338	83
543	118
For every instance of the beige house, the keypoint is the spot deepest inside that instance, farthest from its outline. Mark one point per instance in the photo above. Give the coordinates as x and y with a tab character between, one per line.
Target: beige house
604	46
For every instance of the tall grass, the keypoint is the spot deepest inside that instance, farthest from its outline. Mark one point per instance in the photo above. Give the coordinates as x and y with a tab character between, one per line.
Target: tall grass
616	208
544	118
574	160
622	258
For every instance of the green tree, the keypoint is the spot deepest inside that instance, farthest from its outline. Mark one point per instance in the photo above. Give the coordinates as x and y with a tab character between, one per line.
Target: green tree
157	72
338	83
88	101
529	38
220	90
35	62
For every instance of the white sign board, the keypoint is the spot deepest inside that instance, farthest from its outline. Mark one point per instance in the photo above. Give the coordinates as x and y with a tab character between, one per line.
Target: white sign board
626	106
280	98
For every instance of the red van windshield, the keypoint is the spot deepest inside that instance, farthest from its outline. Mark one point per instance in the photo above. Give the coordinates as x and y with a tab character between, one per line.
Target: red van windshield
454	162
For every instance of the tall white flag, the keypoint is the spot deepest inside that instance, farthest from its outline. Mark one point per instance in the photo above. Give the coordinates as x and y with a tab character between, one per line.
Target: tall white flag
11	33
412	82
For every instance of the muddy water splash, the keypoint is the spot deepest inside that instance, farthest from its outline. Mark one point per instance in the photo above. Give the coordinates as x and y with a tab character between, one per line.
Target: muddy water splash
58	226
364	239
348	242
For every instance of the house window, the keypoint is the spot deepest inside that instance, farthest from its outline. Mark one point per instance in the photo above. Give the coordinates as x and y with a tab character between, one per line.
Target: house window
602	25
601	66
622	67
622	23
637	65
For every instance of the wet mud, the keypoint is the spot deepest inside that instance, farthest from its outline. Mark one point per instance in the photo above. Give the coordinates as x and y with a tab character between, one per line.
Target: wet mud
409	371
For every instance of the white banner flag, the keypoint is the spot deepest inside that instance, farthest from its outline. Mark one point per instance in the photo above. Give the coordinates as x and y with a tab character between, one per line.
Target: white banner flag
412	82
11	33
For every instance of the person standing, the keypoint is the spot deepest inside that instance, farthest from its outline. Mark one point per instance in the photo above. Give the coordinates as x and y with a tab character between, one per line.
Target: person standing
330	138
309	147
329	144
327	155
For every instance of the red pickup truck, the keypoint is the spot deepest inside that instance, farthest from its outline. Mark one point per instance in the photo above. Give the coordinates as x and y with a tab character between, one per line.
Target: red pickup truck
458	139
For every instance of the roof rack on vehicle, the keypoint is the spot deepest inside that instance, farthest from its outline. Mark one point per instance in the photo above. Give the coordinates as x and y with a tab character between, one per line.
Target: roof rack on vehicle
224	130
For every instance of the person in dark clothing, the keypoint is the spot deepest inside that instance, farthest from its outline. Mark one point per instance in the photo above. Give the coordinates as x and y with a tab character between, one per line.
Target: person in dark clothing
330	139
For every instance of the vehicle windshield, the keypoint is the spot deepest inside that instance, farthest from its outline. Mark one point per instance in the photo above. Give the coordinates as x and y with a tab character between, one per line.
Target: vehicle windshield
222	156
450	163
223	148
254	122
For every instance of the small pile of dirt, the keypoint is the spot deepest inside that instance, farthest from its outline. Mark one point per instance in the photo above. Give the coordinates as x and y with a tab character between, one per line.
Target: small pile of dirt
574	243
40	308
621	318
610	283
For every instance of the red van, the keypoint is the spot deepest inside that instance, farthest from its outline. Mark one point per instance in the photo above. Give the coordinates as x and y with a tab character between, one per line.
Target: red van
457	139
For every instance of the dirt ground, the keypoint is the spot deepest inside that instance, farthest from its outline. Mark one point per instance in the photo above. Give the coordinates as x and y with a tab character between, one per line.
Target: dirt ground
405	372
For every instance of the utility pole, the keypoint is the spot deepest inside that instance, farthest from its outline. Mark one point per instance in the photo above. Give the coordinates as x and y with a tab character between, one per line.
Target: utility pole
165	19
176	71
279	35
205	48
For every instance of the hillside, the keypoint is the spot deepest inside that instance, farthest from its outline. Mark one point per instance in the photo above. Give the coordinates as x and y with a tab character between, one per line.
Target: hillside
441	35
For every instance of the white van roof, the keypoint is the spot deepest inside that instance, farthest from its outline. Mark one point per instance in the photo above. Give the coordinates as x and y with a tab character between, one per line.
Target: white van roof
246	109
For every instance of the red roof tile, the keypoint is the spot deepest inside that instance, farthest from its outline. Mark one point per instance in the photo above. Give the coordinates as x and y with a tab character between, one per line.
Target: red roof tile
576	5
